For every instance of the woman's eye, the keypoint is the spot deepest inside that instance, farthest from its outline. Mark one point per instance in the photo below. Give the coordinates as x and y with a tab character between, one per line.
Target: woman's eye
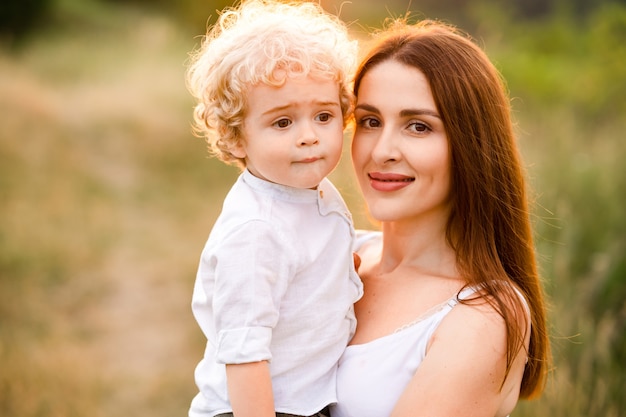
369	123
323	117
418	127
282	123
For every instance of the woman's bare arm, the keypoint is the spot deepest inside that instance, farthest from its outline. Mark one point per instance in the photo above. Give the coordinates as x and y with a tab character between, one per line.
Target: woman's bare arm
463	370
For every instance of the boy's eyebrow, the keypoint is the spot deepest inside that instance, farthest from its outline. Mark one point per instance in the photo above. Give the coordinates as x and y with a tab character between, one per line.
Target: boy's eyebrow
329	103
403	113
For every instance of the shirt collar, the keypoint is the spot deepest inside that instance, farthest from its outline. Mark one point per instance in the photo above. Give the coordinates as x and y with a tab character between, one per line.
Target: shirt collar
327	197
279	191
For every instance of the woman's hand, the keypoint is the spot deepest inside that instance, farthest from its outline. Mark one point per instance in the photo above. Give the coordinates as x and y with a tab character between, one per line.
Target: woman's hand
357	261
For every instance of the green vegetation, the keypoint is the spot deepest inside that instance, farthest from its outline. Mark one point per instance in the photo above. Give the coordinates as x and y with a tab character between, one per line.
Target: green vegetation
568	83
106	199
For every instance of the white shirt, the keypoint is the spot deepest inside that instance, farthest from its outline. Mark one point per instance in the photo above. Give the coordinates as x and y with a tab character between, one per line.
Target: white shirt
276	282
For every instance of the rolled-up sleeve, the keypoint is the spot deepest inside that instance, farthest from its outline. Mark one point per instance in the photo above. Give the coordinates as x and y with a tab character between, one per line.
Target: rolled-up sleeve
252	272
248	344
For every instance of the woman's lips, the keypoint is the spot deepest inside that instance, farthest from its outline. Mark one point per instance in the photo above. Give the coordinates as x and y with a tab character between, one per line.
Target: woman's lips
382	181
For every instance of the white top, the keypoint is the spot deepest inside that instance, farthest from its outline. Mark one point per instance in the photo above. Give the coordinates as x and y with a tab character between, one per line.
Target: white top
373	375
276	282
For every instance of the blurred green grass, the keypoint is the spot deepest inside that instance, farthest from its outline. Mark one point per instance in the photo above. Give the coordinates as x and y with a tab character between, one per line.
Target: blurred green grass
107	199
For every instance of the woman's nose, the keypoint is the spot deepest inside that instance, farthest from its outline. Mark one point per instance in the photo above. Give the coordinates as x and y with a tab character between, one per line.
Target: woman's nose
386	148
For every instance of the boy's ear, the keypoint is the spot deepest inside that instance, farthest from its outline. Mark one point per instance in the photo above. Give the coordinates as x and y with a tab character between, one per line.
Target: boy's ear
238	151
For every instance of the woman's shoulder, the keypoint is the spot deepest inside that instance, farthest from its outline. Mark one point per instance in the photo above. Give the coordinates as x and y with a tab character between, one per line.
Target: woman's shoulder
475	335
485	303
368	247
476	323
365	238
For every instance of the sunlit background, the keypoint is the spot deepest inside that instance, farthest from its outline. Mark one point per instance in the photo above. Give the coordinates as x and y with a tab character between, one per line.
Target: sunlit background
106	197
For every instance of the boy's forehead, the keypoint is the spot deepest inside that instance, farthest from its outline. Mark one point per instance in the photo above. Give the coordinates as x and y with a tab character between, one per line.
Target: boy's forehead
293	91
279	75
290	82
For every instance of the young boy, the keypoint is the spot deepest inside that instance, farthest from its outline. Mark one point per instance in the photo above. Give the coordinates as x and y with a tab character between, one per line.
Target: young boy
276	283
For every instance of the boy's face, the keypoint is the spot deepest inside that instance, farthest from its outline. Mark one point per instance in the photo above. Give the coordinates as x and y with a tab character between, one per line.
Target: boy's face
293	134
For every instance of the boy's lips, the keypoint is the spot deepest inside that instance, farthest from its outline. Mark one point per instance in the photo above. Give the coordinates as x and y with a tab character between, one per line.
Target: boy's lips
309	160
388	181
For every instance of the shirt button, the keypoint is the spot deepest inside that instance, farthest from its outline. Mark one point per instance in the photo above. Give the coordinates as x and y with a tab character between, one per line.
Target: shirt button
321	194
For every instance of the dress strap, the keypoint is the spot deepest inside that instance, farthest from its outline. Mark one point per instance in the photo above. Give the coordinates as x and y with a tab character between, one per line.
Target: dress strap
466	292
463	295
427	314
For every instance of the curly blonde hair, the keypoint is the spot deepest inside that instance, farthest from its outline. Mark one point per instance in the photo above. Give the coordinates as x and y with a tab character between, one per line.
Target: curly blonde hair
247	46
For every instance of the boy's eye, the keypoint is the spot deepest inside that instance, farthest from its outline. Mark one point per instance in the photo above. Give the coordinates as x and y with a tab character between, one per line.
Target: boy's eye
323	117
282	123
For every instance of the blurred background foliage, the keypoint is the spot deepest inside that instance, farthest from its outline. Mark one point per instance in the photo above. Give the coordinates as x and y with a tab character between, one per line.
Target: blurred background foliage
106	197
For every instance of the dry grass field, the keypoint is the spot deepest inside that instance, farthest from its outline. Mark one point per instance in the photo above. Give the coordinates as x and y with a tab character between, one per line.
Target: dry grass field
106	199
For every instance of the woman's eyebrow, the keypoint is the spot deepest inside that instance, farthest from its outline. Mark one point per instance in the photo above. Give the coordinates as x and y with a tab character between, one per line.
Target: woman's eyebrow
366	107
403	113
419	112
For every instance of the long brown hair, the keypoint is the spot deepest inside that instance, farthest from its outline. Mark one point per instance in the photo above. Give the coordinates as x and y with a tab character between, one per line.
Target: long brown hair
489	225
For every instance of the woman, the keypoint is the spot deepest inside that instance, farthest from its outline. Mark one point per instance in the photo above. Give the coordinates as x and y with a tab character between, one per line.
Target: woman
452	321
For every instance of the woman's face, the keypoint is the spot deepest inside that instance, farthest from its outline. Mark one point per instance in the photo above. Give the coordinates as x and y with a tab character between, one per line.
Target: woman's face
400	148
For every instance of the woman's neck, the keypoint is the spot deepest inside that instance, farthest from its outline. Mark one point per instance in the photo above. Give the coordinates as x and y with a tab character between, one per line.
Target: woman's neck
420	245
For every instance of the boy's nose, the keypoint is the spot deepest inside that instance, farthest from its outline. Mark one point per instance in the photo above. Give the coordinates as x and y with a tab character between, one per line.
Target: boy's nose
309	140
308	136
